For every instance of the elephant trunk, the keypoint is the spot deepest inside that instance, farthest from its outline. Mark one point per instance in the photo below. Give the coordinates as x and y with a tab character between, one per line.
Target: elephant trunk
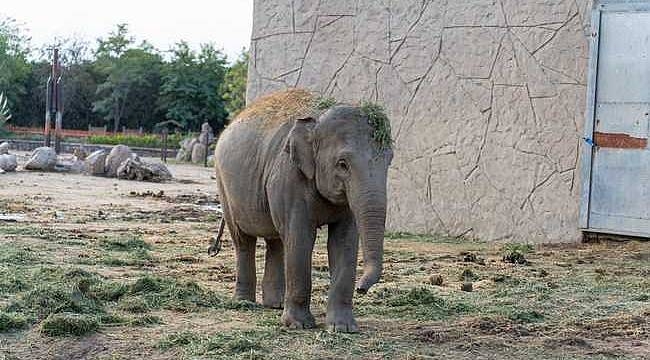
370	215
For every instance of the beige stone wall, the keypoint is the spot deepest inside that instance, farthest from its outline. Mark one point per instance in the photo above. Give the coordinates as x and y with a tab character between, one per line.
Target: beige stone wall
486	99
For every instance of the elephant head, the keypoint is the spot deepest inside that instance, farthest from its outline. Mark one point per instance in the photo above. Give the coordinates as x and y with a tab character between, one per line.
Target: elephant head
347	152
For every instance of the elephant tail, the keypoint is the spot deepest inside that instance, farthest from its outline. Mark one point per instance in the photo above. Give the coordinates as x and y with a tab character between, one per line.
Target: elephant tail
215	247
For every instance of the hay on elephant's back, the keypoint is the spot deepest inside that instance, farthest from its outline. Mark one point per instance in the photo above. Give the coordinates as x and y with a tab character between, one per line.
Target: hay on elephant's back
281	107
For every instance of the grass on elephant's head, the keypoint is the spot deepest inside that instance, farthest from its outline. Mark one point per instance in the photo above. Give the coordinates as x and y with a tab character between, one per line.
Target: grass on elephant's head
324	103
380	124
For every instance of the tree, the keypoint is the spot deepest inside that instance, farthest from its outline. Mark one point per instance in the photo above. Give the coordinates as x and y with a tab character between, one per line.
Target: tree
191	87
14	67
234	86
129	94
5	115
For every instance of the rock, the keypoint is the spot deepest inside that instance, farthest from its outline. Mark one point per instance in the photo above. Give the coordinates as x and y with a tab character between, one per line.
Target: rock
4	148
8	163
70	164
198	153
136	169
80	153
94	163
43	159
211	160
185	152
116	158
206	136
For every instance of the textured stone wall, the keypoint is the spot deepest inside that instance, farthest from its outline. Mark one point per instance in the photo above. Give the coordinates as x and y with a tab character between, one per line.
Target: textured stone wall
486	99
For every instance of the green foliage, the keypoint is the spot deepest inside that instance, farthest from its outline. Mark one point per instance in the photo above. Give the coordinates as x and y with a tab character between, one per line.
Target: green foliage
132	80
234	85
14	65
380	124
147	141
69	324
191	87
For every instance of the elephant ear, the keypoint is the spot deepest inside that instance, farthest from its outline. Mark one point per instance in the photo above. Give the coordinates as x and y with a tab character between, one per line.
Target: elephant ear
300	146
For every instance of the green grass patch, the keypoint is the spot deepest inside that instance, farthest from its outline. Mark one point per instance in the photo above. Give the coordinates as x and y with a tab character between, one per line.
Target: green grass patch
223	344
12	321
130	244
69	324
12	255
418	303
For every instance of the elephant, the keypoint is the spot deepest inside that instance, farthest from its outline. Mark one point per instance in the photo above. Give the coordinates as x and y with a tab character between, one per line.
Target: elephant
289	164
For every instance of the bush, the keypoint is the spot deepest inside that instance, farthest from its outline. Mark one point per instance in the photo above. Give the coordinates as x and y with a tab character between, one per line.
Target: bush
148	140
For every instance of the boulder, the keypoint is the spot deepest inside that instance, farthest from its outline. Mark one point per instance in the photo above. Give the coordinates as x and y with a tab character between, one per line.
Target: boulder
94	163
206	136
70	164
4	148
211	160
117	156
136	169
43	159
181	155
198	153
8	163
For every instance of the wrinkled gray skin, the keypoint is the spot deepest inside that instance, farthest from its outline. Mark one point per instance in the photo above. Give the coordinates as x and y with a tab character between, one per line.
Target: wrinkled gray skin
282	181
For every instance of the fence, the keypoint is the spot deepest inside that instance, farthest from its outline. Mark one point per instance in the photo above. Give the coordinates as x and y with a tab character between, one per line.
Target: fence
101	130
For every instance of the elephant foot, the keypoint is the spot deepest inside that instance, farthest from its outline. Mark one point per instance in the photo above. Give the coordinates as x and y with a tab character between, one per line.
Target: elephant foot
342	321
273	296
273	303
245	296
298	319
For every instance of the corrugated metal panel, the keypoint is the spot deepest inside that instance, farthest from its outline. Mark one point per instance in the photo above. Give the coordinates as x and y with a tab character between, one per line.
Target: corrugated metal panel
619	174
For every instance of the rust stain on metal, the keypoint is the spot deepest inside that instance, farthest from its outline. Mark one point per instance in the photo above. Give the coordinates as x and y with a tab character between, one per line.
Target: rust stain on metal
619	141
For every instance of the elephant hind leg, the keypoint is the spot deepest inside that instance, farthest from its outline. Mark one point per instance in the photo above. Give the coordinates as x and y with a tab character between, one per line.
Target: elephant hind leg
246	277
273	283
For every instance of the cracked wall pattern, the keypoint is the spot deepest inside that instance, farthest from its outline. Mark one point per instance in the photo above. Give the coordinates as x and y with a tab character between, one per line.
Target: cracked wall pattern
486	99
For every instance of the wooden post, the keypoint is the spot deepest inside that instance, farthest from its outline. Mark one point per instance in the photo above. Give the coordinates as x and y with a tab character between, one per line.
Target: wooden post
163	154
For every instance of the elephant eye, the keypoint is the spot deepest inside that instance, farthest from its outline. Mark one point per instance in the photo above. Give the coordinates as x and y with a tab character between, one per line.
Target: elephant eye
343	165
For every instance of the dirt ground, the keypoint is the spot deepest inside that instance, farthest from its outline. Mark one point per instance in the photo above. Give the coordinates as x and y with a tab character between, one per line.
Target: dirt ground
124	266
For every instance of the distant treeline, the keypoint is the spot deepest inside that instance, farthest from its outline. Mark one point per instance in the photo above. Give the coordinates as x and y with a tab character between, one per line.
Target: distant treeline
117	82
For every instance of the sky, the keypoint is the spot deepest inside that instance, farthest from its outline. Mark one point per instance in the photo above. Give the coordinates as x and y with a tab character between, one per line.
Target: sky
225	23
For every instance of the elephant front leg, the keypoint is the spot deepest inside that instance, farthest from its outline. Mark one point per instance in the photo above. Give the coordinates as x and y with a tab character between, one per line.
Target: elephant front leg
298	247
342	248
246	278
